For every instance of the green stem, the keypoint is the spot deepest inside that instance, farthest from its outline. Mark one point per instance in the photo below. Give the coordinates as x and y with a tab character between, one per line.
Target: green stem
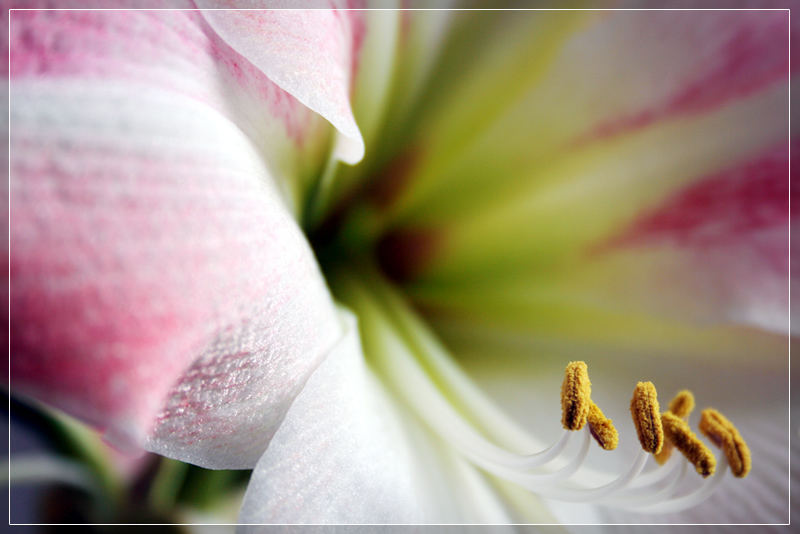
202	488
167	484
72	439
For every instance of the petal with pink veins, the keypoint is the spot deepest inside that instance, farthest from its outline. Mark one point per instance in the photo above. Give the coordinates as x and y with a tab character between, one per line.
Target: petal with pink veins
522	245
689	274
604	77
179	52
160	287
732	228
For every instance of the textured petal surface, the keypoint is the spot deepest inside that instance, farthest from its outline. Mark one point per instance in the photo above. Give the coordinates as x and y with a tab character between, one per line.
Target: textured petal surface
347	452
159	285
312	54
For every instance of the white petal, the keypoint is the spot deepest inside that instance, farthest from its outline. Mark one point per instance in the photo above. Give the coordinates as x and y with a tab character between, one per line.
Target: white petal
308	53
347	453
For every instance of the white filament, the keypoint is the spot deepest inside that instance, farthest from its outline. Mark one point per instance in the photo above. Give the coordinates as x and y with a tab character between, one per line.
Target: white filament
527	470
694	498
638	494
405	364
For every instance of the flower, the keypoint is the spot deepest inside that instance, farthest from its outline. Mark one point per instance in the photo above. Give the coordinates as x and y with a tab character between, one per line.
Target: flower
551	186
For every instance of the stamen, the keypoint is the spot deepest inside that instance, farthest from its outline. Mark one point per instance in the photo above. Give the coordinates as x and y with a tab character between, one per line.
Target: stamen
602	428
724	435
646	417
418	369
576	392
679	434
681	405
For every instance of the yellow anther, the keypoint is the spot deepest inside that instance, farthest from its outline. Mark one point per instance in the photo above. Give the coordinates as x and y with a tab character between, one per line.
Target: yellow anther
646	417
681	405
576	393
724	435
681	436
602	428
666	450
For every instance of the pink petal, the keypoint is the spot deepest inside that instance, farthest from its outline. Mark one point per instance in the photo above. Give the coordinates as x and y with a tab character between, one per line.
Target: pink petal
733	229
176	51
312	54
159	285
715	58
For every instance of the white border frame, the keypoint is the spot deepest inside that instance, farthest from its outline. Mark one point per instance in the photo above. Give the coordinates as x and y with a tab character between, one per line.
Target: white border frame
11	10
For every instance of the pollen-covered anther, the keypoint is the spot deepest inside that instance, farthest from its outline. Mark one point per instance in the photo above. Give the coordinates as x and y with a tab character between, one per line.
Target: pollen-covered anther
681	405
647	417
576	393
666	451
678	433
724	435
602	428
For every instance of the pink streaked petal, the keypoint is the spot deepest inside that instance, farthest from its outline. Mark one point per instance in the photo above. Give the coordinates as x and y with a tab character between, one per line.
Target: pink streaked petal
174	51
156	270
722	207
733	227
615	76
714	58
311	54
694	271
